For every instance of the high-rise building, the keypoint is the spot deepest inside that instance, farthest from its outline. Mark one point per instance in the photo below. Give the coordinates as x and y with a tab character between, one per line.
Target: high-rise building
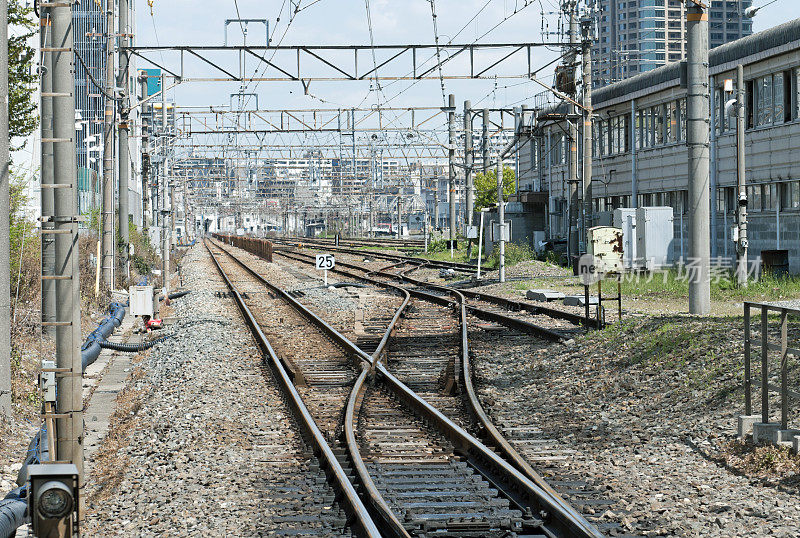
635	36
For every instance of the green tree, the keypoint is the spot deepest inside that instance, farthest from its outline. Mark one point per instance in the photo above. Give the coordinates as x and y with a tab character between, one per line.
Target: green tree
486	187
22	76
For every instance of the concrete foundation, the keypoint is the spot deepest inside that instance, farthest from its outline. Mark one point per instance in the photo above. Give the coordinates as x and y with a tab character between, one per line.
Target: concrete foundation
580	300
544	296
786	437
765	432
745	424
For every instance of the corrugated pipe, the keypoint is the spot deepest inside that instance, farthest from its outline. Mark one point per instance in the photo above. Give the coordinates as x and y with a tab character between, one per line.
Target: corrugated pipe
13	512
14	506
176	295
131	348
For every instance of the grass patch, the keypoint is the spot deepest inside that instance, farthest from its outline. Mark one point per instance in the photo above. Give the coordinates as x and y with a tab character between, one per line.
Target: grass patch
672	283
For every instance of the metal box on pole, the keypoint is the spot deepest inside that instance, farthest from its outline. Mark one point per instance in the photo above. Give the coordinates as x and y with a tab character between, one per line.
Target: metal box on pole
655	236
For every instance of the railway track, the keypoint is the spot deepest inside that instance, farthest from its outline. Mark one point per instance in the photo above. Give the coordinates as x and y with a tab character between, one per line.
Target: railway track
549	323
387	242
331	369
413	461
456	266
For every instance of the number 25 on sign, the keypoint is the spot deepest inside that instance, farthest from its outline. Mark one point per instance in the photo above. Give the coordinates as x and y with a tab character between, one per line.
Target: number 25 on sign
325	262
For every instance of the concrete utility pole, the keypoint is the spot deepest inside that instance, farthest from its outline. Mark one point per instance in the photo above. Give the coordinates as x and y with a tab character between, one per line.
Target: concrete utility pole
165	226
501	216
108	156
572	234
741	186
146	217
186	208
124	150
399	216
586	53
485	141
697	139
46	196
468	162
69	446
5	229
451	162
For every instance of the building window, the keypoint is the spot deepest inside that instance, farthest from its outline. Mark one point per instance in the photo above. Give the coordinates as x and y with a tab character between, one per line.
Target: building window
769	196
790	195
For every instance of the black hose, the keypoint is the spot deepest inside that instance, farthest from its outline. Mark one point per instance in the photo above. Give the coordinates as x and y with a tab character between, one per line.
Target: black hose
12	514
131	348
348	285
176	295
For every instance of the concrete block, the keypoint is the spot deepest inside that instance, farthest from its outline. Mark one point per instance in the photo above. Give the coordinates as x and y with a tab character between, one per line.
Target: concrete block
544	296
796	445
579	300
745	424
765	432
786	436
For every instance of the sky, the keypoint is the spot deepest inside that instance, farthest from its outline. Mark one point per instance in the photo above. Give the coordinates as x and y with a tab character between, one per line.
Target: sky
345	22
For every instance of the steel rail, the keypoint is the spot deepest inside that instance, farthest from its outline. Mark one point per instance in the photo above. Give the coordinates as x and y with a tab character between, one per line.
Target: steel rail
494	435
387	520
560	518
487	315
361	519
433	263
511	304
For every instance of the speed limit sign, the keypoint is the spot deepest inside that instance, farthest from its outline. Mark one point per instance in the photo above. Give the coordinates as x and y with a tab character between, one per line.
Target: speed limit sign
324	263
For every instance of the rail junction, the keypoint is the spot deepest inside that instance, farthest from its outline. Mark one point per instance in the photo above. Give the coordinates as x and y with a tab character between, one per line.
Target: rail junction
393	412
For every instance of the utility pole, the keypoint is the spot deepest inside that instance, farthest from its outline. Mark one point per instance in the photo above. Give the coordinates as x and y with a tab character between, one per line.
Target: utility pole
572	234
399	216
485	140
697	138
5	228
586	54
108	155
468	162
165	226
69	425
435	197
501	216
124	150
146	217
46	196
186	208
451	161
741	186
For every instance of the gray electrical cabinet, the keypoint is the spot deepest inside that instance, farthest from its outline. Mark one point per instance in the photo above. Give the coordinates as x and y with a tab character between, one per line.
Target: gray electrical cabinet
625	220
655	235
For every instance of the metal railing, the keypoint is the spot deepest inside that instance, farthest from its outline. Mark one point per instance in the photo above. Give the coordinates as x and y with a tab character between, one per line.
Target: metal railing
766	346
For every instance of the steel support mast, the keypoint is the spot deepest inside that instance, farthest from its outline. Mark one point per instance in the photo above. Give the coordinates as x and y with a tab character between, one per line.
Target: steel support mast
572	233
586	53
5	229
741	185
46	193
697	139
451	162
69	424
108	156
164	191
124	149
468	163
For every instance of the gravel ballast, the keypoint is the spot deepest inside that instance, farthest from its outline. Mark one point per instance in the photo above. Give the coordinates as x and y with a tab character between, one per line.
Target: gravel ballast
211	448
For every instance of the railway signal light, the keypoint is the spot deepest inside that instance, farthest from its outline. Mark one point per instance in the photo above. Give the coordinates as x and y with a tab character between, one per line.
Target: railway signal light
53	499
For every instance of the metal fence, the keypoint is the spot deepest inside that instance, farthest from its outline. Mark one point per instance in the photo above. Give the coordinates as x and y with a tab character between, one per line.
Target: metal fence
783	350
259	247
